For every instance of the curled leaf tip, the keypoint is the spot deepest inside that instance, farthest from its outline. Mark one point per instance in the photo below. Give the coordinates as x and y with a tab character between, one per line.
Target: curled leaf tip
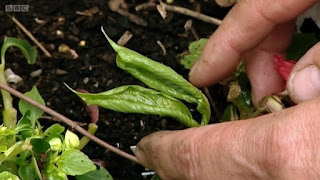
114	45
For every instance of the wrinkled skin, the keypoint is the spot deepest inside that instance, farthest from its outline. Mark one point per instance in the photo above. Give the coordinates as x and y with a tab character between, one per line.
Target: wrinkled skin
281	145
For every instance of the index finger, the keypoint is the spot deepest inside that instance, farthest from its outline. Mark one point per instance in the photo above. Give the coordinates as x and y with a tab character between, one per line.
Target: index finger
248	23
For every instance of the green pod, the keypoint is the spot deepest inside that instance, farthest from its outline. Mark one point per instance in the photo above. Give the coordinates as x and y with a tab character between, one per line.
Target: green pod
137	99
161	78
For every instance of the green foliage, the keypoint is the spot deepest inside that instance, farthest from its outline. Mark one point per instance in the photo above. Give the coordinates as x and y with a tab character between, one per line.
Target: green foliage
10	113
8	176
137	99
243	101
98	174
22	147
169	87
74	162
28	51
195	50
35	112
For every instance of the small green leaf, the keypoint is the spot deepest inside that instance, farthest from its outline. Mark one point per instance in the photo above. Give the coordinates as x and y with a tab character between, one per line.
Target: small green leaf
98	174
28	51
39	145
35	112
137	99
8	176
24	126
9	166
74	162
161	78
54	129
195	50
27	172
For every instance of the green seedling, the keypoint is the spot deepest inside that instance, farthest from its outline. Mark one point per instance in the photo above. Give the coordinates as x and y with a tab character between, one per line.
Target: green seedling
10	113
28	153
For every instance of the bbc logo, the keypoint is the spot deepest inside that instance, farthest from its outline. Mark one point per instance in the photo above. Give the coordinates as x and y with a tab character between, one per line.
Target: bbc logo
16	8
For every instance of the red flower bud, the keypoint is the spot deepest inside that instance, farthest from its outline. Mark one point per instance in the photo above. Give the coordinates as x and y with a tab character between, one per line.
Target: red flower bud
283	66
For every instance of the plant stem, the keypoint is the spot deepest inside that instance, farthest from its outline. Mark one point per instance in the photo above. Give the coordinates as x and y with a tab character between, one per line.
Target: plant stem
9	113
69	122
84	140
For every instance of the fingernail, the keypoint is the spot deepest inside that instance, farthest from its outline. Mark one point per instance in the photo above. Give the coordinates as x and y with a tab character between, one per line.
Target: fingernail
305	84
194	67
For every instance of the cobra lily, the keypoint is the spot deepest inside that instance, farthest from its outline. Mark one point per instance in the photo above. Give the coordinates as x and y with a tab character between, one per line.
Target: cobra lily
283	66
92	110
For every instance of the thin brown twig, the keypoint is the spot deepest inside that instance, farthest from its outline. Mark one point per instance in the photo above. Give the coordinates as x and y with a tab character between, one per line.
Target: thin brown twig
190	13
164	51
69	122
181	10
146	5
134	18
28	33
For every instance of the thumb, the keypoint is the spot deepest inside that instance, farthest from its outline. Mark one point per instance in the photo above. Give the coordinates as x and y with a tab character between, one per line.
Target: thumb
164	152
304	81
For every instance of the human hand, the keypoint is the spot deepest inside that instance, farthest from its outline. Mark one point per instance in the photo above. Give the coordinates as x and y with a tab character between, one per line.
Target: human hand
281	145
254	31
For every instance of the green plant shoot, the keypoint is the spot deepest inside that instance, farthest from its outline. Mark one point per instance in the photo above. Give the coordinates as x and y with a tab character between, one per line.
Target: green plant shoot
10	113
161	78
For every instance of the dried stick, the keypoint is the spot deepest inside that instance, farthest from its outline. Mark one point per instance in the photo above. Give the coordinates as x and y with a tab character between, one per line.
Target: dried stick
146	5
132	17
69	122
28	33
213	104
190	13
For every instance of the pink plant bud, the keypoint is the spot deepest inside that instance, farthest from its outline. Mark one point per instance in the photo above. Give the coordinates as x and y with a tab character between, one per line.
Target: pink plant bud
283	66
92	110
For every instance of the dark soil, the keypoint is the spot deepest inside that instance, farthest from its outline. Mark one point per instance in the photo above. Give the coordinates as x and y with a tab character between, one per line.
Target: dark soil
95	69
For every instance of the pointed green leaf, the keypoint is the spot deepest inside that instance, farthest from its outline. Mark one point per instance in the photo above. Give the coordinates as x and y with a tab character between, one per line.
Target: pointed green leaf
54	129
28	51
137	99
35	112
161	78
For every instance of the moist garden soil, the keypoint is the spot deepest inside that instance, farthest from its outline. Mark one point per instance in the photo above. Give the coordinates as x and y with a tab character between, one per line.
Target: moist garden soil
94	69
